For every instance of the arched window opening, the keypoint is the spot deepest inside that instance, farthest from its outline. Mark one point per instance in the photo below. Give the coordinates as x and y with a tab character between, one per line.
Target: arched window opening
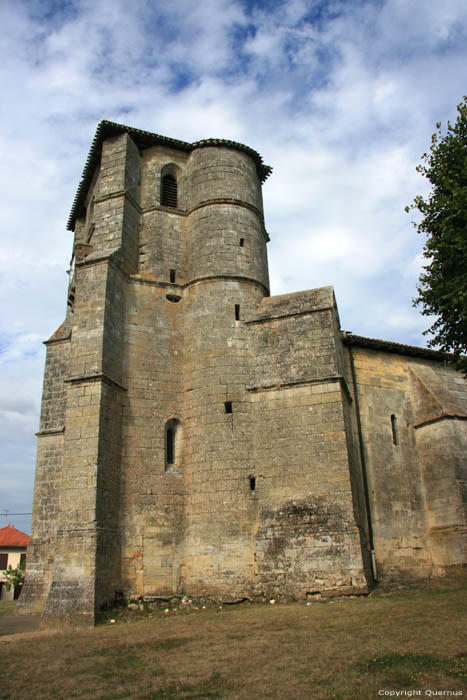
395	437
169	191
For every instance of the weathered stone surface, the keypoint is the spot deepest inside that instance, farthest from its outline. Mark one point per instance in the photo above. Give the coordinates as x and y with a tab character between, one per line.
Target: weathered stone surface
417	477
201	437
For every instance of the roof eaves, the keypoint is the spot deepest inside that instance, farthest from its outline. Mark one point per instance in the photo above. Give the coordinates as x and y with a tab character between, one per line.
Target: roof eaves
104	130
144	139
263	170
400	348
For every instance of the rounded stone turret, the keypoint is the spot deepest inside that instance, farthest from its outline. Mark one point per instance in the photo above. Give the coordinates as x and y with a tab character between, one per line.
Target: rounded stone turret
225	216
227	278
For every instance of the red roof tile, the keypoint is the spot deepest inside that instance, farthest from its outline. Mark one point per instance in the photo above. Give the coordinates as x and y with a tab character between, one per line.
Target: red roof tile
11	537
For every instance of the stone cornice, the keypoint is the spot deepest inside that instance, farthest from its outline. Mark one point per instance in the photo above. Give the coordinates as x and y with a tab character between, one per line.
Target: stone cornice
45	433
295	383
440	417
294	314
116	195
99	258
236	203
178	288
145	280
98	377
213	278
166	210
55	341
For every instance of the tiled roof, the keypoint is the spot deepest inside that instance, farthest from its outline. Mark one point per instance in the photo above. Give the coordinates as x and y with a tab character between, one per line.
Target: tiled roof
400	348
144	139
11	537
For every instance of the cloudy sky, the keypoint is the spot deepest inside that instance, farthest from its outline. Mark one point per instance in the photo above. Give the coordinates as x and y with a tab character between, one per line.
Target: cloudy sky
339	96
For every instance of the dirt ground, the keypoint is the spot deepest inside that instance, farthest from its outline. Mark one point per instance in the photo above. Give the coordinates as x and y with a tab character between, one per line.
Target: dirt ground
18	624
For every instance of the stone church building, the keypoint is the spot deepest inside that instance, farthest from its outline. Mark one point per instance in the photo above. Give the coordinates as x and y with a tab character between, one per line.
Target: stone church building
200	436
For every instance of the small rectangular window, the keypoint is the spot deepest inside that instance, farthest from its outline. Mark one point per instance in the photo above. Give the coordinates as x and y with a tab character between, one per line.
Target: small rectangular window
252	483
172	275
228	406
237	312
242	242
3	561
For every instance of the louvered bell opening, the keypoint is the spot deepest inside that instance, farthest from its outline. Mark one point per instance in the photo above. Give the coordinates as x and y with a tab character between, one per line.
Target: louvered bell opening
169	191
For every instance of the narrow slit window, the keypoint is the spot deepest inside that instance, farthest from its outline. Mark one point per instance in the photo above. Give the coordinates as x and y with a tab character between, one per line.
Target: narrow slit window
170	445
252	483
228	406
242	242
172	275
237	312
169	191
395	438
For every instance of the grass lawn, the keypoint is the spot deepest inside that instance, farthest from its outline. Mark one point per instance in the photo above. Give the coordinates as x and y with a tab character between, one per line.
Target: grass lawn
346	649
7	607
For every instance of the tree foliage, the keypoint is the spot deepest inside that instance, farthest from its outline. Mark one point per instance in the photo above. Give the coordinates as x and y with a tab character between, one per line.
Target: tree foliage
13	577
442	288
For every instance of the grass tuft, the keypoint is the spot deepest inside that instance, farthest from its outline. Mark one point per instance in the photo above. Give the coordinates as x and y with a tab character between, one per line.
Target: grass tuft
417	663
212	689
406	670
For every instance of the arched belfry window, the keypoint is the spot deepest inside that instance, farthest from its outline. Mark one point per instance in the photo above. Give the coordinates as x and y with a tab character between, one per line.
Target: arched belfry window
169	191
172	443
170	177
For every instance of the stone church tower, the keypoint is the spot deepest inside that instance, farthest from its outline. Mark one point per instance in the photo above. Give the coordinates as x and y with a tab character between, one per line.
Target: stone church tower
198	435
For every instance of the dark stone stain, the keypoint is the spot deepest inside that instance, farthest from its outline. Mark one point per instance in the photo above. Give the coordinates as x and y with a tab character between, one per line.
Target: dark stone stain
288	526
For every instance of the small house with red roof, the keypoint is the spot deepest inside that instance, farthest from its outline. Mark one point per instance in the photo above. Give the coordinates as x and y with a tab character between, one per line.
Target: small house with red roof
13	544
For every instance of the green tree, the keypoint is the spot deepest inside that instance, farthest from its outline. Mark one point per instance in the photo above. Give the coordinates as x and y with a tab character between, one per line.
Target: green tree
13	577
442	288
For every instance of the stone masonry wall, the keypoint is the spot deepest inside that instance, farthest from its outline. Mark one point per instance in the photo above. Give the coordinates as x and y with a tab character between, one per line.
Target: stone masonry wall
49	465
416	476
226	246
161	242
152	491
86	569
307	537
